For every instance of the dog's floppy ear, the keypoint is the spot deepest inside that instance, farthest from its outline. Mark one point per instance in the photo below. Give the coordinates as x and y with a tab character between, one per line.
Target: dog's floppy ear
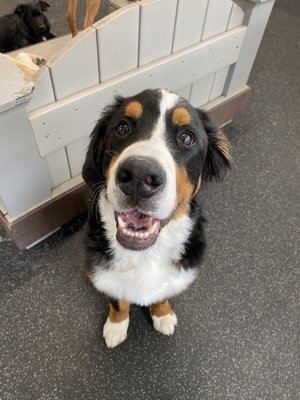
92	167
217	159
21	9
92	172
44	5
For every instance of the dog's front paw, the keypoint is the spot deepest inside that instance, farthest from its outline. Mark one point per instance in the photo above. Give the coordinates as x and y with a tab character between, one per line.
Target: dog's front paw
115	333
165	324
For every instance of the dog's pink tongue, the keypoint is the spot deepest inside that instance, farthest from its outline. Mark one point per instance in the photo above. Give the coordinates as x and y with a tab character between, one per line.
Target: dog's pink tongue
137	220
137	231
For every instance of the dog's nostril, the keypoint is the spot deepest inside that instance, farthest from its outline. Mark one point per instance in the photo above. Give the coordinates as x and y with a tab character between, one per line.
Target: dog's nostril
124	176
154	180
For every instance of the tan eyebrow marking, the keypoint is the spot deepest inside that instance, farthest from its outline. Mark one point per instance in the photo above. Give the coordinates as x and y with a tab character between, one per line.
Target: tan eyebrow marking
134	110
181	116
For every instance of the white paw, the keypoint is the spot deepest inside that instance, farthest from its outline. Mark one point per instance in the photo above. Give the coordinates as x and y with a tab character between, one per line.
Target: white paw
165	324
115	333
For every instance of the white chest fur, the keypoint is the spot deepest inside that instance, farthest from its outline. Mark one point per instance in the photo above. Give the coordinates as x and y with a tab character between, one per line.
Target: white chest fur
148	276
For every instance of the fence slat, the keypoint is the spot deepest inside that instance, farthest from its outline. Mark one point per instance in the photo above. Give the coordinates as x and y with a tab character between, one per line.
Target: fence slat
189	23
219	83
23	177
237	17
256	18
82	111
118	36
75	68
76	155
57	167
184	92
217	22
201	91
156	29
43	90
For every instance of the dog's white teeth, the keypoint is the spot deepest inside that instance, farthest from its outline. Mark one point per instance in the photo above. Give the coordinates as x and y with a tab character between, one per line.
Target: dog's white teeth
139	235
152	229
128	232
121	223
143	235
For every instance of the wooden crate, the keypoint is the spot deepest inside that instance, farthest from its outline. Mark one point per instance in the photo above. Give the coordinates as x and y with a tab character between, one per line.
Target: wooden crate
201	49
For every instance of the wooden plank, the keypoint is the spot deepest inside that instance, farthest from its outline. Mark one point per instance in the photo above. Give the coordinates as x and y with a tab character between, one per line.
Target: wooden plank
46	218
76	153
236	17
69	120
23	179
57	167
185	92
43	90
15	87
156	29
201	91
256	18
225	109
219	83
189	23
217	18
117	38
75	67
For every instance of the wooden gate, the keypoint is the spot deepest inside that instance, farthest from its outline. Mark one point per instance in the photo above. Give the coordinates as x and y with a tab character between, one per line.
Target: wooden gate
201	49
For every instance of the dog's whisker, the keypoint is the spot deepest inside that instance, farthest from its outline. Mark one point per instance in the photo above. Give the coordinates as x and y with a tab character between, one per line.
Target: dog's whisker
94	194
112	152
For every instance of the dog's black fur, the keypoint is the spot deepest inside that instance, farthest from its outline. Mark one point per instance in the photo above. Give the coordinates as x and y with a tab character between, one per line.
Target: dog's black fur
27	25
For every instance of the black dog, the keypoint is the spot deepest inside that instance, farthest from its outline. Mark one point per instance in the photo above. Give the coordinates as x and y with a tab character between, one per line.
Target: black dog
27	25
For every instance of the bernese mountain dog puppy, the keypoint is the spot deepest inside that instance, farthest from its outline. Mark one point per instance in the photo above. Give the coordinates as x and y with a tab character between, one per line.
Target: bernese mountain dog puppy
148	157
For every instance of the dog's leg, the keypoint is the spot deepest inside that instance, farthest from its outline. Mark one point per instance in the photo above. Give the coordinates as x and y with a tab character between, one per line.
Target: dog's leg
71	16
116	325
163	317
92	7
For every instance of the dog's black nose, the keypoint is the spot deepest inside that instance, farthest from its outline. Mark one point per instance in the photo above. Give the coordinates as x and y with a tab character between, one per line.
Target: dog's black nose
140	178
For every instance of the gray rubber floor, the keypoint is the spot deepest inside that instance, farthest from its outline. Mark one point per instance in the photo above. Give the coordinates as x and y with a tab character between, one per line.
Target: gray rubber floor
238	333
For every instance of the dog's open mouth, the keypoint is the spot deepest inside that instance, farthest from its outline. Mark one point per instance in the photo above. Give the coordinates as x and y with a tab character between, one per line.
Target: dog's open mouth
137	231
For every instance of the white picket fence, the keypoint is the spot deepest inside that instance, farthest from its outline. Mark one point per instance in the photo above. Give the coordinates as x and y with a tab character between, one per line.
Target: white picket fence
202	49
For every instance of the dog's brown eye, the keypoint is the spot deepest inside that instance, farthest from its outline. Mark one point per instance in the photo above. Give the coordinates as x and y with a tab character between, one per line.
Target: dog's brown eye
185	138
123	128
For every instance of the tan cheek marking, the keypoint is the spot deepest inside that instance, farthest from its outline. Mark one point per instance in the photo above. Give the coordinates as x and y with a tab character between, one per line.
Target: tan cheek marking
121	314
161	309
181	116
184	190
134	110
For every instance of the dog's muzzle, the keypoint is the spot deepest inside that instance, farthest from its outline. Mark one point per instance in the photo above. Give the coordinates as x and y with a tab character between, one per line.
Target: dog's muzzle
140	179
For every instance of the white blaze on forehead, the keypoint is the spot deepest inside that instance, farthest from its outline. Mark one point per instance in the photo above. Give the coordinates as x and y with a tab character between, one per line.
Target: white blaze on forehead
168	101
